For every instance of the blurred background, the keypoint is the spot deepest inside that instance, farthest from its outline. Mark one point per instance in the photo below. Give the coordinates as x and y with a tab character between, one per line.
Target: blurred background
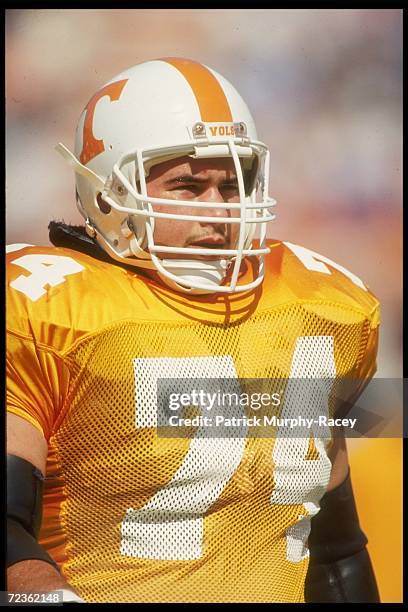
324	86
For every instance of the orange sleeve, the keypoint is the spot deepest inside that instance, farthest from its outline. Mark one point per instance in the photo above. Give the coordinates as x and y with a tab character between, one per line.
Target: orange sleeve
37	381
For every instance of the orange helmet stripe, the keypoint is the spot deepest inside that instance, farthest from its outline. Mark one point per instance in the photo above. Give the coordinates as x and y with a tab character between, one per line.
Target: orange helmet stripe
209	94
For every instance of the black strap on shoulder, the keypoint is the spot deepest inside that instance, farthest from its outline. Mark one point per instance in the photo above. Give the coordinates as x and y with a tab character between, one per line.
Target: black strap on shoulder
24	511
75	237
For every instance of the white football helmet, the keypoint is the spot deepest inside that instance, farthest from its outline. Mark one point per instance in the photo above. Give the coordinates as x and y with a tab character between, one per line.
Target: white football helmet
155	111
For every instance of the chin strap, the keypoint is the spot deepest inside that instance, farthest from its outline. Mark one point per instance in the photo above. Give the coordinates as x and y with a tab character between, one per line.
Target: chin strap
79	168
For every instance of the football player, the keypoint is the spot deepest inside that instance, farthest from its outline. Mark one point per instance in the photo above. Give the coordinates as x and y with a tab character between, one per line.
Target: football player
166	280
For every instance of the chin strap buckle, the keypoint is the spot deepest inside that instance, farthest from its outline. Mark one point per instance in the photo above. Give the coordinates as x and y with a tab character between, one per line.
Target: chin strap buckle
89	228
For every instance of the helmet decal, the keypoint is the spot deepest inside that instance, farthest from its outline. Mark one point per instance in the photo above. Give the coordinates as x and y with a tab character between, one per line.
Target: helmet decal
209	94
91	146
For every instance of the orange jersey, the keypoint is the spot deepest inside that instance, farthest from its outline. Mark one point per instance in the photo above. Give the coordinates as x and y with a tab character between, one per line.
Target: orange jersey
129	515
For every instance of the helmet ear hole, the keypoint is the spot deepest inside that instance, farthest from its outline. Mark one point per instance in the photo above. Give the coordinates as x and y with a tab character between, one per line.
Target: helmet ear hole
103	206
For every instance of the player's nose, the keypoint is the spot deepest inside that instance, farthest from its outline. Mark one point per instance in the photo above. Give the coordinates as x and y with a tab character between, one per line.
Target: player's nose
213	196
215	212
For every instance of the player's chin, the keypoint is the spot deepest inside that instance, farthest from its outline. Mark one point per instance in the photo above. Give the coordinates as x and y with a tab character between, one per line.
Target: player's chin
207	257
193	257
197	256
217	256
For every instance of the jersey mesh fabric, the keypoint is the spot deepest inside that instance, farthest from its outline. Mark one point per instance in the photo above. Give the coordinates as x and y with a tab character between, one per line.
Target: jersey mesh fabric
138	517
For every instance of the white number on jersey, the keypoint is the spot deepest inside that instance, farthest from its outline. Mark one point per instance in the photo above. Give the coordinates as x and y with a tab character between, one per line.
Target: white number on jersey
157	531
299	480
45	270
315	262
171	524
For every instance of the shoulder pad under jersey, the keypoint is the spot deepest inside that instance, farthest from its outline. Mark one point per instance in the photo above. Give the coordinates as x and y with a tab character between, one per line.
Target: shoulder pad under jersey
57	294
295	273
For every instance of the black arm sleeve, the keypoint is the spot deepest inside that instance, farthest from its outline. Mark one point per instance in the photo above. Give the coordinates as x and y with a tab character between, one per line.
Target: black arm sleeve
24	512
340	569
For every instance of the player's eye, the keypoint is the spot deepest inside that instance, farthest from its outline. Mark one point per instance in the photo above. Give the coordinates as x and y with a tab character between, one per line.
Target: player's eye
185	187
190	189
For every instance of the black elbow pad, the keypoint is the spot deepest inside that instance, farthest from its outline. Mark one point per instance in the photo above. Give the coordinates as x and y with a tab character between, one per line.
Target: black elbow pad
24	512
340	569
349	580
